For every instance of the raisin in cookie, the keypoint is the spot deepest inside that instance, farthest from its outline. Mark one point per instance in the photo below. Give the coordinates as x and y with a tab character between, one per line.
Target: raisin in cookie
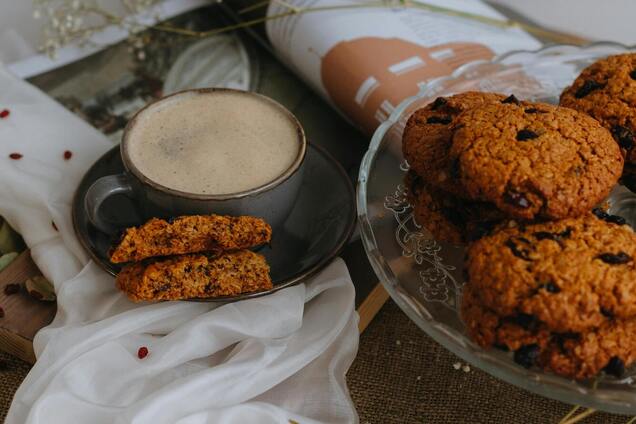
190	234
573	274
427	137
195	276
606	90
610	347
446	217
535	160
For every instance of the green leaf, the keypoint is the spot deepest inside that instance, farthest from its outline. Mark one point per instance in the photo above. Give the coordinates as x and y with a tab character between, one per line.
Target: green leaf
40	288
6	259
10	241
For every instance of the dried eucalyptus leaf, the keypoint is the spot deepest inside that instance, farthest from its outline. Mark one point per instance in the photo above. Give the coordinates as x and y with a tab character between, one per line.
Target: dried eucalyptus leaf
40	288
6	259
10	241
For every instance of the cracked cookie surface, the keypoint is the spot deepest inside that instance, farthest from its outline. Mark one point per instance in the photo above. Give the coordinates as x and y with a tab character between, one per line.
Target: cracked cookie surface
427	137
573	274
535	160
190	234
606	90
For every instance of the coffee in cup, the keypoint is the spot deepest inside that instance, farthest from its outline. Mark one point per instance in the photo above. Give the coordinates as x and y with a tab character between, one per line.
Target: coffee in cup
207	151
213	144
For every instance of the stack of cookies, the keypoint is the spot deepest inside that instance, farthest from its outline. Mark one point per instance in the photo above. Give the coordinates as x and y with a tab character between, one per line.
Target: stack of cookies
559	294
550	275
198	256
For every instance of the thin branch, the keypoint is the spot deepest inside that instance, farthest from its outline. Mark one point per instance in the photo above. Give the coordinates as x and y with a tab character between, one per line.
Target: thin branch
254	6
569	414
581	416
544	33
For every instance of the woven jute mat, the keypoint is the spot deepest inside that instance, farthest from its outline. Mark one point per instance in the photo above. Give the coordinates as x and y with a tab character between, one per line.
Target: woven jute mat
12	372
402	376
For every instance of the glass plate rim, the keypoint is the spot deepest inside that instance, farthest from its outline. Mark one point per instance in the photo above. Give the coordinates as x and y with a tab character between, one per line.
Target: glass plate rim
610	400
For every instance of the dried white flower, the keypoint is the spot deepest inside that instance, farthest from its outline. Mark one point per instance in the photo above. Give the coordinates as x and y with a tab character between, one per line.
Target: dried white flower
76	21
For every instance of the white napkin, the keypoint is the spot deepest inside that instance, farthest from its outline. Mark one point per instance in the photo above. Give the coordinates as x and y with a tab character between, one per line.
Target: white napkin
268	360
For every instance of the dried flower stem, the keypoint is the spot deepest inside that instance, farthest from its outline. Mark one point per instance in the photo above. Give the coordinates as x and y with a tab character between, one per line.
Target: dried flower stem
254	6
66	19
292	10
569	414
245	24
581	416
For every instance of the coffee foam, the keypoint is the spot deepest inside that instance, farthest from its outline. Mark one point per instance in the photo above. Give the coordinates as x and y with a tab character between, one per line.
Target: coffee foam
213	143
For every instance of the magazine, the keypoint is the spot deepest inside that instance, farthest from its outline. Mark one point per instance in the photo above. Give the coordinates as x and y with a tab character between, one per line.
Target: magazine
366	60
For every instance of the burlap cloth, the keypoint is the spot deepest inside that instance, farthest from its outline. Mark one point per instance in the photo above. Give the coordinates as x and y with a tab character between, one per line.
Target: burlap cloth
402	376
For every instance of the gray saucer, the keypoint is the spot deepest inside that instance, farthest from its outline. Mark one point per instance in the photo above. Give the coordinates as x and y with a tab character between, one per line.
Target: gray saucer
319	225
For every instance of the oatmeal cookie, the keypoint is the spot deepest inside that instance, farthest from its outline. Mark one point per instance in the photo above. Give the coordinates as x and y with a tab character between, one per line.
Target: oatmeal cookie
190	234
427	137
610	347
606	90
195	276
535	160
573	274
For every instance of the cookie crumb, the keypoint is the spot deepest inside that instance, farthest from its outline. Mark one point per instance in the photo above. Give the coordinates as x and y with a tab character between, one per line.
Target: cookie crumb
457	365
466	368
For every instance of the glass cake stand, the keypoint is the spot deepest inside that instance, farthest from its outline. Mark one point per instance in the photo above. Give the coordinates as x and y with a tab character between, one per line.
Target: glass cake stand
423	275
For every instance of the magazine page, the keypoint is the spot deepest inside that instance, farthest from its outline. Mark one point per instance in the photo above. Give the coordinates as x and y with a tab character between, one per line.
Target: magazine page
366	60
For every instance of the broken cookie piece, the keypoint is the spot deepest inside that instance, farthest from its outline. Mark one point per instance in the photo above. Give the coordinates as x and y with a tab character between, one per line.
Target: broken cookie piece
195	276
190	234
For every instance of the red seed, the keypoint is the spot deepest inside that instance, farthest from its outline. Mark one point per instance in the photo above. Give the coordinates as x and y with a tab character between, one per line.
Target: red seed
68	154
142	352
4	113
54	226
1	312
12	288
15	156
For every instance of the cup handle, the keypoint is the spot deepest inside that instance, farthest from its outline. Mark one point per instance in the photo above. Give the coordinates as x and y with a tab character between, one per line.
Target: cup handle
101	190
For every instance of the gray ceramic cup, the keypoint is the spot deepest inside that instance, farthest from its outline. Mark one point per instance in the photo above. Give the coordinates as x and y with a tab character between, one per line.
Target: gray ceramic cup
272	201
